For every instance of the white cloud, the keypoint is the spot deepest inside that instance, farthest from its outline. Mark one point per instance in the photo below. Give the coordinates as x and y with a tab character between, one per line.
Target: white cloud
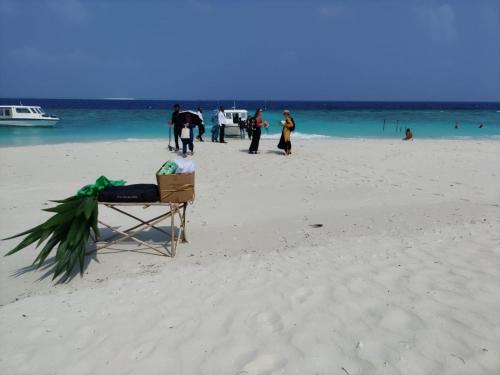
69	10
439	20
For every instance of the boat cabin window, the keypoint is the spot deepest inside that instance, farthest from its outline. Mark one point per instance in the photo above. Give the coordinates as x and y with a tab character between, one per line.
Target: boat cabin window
33	110
1	112
22	110
6	112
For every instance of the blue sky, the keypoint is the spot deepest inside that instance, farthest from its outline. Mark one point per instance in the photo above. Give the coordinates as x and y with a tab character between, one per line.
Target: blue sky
243	49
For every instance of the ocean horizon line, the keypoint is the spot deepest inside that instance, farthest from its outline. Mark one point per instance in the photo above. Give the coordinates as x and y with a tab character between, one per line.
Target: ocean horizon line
257	100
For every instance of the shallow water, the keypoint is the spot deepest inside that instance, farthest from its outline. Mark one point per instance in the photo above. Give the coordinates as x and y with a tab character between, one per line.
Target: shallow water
86	121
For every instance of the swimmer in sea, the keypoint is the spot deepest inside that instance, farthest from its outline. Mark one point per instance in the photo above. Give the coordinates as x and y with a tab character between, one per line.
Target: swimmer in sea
408	135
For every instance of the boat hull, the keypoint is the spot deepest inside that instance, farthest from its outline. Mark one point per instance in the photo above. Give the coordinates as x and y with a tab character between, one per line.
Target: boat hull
29	122
232	131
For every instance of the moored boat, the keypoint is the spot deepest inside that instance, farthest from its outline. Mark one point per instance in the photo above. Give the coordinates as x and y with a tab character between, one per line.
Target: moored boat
233	118
25	115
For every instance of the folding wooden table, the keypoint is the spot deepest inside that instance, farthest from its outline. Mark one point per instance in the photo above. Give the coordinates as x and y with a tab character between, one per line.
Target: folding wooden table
174	210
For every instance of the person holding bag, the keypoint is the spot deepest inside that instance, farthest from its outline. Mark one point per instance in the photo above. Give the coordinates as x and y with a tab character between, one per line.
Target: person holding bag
288	126
256	131
187	136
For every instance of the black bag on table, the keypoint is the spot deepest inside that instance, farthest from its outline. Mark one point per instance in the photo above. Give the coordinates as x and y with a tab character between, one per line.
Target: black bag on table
130	194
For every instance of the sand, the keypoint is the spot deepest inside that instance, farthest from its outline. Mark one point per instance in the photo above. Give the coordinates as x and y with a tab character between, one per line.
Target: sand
403	276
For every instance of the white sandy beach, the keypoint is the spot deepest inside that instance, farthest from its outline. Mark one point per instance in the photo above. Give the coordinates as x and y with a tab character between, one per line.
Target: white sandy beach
402	278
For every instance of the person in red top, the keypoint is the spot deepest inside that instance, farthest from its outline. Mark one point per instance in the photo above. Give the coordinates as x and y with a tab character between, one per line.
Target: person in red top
259	124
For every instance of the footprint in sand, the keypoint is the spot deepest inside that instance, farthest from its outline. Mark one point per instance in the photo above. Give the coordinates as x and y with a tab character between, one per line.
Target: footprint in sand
84	336
263	365
143	350
301	295
266	322
399	320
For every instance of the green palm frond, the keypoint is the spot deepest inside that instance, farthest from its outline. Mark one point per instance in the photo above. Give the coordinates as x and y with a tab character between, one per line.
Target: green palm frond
68	231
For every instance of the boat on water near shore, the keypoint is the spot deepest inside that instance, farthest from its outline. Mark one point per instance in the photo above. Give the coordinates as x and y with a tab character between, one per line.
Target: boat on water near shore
24	115
233	117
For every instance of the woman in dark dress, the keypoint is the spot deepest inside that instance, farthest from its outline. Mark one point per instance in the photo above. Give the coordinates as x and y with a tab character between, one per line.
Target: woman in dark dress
259	124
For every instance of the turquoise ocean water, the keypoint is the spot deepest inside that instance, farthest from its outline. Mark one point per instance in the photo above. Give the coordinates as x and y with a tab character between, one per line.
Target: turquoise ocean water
104	120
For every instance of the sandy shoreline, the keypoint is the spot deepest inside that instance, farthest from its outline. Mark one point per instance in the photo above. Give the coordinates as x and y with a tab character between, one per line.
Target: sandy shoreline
403	276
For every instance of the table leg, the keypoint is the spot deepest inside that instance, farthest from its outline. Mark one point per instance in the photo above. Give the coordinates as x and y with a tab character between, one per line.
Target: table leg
183	223
172	229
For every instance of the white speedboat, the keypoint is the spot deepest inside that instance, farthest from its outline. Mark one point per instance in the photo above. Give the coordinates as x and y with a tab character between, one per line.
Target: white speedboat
25	115
233	117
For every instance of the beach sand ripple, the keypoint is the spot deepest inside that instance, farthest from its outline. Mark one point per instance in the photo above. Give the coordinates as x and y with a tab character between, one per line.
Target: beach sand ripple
396	280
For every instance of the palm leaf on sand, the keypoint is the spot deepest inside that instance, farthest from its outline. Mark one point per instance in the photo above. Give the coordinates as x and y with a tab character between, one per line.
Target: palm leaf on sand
68	230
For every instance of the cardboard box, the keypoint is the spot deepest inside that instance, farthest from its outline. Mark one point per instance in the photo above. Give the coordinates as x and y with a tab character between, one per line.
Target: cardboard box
175	188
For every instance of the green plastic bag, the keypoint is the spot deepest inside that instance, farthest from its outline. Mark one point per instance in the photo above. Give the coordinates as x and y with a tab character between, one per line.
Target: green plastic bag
168	168
101	183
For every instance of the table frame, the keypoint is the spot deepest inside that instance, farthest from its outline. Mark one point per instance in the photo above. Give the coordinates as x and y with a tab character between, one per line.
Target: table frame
175	210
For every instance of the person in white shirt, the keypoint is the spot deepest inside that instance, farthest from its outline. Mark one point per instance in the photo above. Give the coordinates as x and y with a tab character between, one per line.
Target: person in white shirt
221	119
201	127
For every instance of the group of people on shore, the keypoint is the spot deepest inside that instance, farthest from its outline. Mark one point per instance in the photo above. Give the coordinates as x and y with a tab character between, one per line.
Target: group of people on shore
184	123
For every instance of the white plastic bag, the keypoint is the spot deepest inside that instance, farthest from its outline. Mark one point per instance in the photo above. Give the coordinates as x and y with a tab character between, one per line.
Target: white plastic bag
184	166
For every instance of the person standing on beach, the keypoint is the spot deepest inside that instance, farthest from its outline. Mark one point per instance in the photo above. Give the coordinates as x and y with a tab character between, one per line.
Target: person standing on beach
288	126
242	125
215	131
221	120
176	122
187	136
201	127
259	124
